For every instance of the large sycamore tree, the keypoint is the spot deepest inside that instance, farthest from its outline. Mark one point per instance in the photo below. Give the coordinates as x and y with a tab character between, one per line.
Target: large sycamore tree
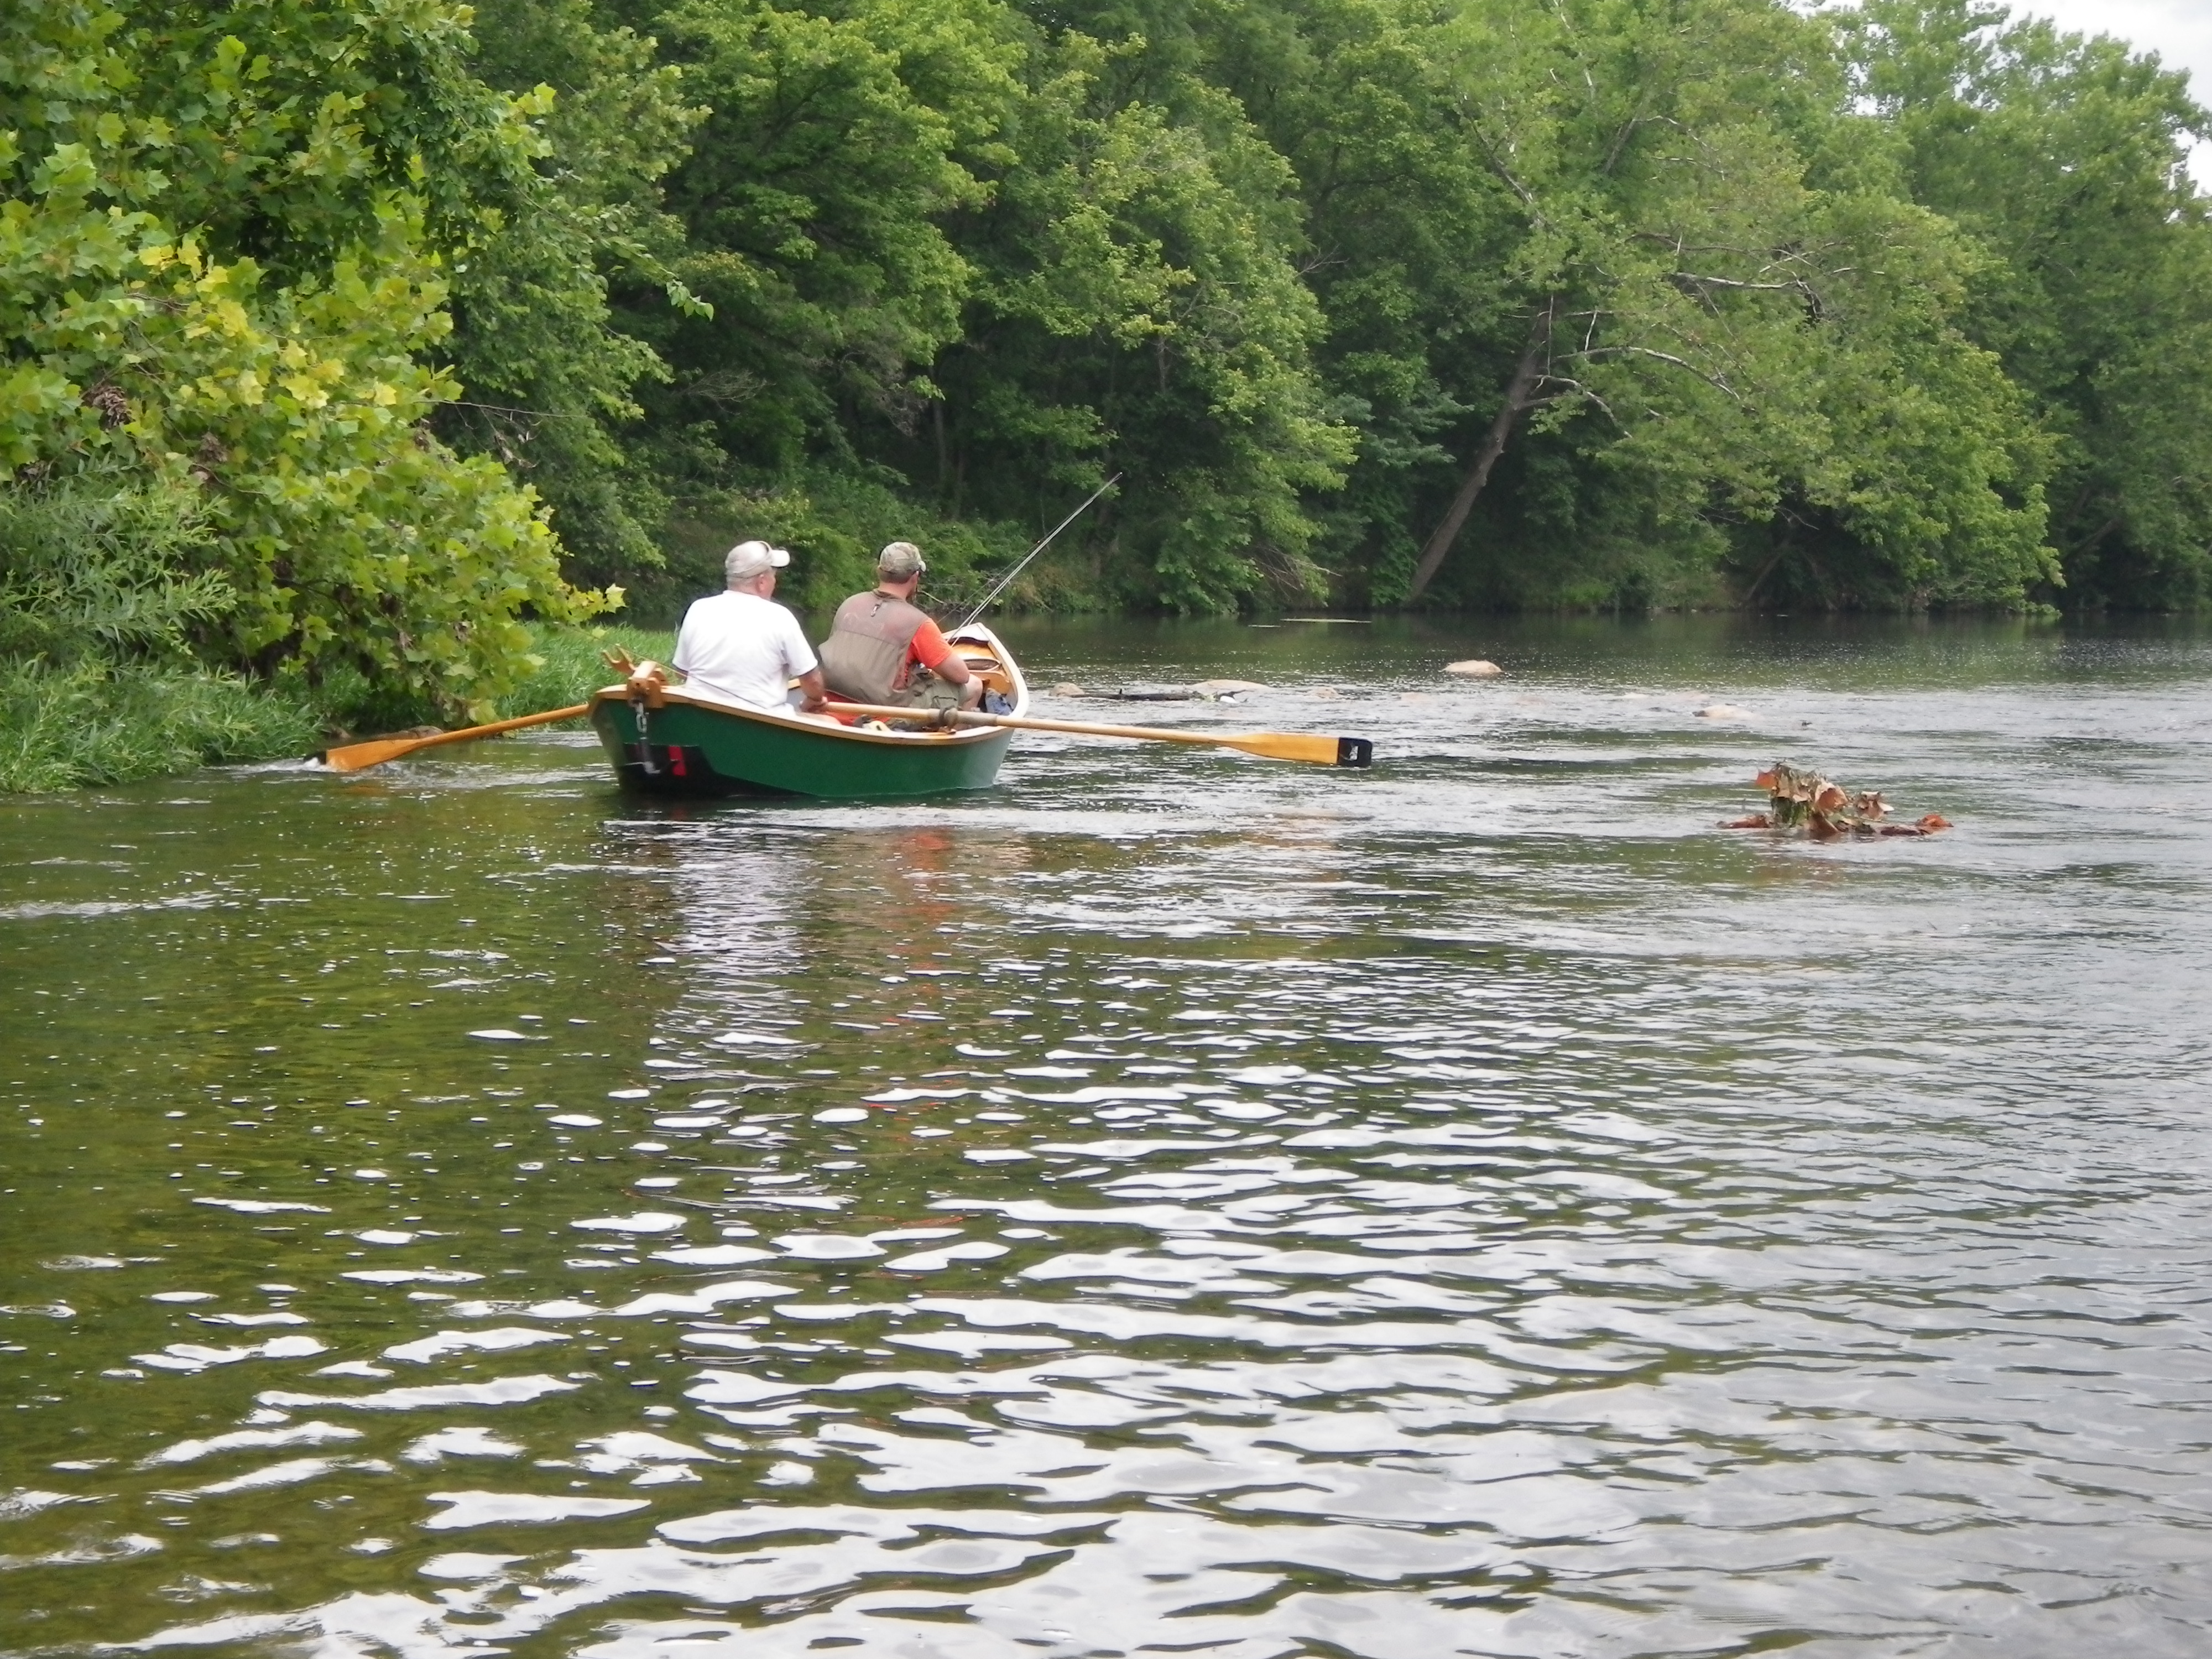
1728	310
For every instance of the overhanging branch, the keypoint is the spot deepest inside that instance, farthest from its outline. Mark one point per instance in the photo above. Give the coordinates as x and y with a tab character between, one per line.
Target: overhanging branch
1719	383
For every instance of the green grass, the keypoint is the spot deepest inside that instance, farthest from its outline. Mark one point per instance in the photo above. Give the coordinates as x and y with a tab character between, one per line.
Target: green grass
65	728
90	724
574	669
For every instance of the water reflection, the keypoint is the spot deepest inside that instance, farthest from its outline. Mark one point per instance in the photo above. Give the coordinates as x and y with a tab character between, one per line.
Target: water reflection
1155	1207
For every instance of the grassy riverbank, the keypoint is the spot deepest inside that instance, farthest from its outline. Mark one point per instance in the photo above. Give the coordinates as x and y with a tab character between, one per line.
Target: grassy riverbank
92	724
574	667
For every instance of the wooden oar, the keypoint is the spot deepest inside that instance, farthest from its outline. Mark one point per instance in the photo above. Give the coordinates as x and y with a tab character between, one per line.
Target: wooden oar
359	756
1309	747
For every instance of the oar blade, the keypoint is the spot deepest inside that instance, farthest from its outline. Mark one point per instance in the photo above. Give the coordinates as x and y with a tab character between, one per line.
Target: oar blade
1311	747
359	757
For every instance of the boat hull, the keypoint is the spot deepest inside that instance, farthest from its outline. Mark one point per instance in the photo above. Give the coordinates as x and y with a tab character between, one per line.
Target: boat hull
695	749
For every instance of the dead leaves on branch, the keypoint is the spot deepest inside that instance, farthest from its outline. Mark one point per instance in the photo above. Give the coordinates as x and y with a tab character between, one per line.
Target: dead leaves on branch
1804	799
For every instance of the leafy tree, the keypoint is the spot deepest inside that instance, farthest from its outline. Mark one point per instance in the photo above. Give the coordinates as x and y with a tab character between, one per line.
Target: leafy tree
2064	158
943	249
549	379
1408	239
812	202
1729	313
390	307
1140	312
217	269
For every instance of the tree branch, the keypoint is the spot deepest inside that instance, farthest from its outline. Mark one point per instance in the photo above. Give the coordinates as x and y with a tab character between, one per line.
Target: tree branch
1517	401
1694	283
1718	382
1547	379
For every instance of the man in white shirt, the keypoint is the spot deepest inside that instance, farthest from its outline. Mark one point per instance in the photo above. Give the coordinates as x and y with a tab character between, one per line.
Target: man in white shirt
742	647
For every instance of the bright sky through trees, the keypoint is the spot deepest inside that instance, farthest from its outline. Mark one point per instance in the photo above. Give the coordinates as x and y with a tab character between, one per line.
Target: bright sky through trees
2179	31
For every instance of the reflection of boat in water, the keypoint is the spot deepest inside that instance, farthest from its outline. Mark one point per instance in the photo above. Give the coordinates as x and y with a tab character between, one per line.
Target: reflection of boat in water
673	744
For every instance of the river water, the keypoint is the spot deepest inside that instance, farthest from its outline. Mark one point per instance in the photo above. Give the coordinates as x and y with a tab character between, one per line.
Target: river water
1168	1204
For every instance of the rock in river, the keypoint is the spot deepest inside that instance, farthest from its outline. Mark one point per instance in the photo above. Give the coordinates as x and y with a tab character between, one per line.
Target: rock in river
1225	688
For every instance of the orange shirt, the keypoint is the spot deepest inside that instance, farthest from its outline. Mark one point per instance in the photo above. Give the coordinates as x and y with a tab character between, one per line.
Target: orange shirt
928	646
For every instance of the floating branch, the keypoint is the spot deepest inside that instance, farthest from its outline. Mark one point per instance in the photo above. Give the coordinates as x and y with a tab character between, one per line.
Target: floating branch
1805	801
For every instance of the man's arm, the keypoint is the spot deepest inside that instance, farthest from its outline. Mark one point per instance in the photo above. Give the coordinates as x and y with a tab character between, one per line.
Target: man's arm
796	651
933	652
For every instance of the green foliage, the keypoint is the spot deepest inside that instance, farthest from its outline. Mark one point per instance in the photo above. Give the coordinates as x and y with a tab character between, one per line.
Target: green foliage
550	382
102	569
1699	311
2064	159
104	585
1140	310
219	268
1408	233
812	200
571	665
336	333
91	723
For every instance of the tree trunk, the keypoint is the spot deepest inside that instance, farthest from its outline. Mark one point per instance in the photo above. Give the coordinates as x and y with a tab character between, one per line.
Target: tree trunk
1518	402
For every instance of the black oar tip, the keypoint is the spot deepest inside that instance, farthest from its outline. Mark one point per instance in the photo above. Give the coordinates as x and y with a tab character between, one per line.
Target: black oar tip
1354	751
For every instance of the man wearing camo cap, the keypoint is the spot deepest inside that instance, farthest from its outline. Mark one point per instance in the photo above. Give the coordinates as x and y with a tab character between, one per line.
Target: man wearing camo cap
883	648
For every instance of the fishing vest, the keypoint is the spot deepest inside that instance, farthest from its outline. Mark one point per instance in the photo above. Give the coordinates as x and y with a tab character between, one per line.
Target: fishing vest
864	657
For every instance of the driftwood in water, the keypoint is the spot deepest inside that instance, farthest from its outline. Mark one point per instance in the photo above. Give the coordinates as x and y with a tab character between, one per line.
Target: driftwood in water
1803	800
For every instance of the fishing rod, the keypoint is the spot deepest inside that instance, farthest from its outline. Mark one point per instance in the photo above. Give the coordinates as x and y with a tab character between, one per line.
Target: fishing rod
1006	581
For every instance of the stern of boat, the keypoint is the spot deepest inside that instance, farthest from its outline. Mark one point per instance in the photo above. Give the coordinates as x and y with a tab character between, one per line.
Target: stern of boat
985	654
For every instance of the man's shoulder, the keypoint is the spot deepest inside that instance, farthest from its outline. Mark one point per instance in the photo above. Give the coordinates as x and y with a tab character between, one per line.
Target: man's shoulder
733	600
930	637
876	600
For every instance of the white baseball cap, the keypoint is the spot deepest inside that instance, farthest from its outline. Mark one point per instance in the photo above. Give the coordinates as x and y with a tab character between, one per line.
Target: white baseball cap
751	558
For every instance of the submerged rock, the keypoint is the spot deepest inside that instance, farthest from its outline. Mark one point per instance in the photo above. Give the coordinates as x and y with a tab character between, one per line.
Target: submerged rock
1225	688
1475	667
1069	688
1723	711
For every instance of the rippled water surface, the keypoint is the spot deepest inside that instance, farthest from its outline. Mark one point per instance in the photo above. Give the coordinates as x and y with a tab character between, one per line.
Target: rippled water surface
1170	1204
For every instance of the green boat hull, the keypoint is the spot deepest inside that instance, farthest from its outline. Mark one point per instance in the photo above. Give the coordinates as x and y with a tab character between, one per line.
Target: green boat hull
693	749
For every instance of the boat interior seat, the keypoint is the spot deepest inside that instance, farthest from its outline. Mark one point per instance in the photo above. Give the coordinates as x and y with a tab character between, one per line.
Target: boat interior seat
995	676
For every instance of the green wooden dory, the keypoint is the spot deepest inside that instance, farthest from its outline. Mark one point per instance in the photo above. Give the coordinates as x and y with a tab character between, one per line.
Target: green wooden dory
690	746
